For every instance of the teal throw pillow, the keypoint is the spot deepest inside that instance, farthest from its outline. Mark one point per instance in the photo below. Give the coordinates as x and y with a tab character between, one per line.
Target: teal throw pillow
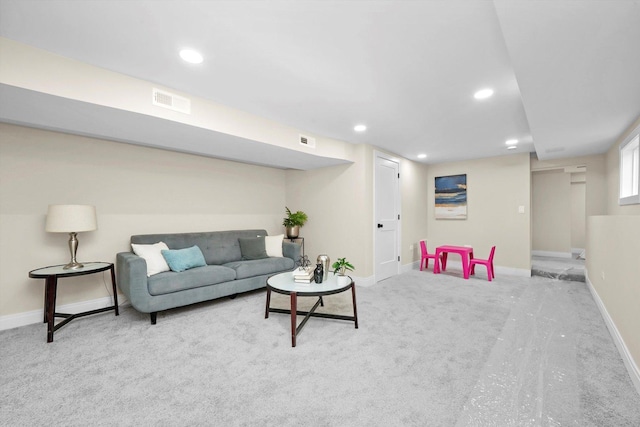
253	247
184	259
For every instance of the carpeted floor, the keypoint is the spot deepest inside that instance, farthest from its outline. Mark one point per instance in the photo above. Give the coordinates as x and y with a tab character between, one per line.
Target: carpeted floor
430	351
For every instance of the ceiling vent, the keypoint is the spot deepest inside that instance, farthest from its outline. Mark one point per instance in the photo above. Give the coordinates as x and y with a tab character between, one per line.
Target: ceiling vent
171	101
307	141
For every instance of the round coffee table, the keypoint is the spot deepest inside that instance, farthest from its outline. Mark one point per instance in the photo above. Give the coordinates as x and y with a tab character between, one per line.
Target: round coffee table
283	283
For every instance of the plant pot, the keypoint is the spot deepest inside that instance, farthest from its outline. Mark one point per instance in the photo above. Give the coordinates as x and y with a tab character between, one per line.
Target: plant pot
293	232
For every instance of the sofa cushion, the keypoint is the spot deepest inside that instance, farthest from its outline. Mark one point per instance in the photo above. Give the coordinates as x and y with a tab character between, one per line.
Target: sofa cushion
252	248
258	267
166	283
152	254
184	259
273	245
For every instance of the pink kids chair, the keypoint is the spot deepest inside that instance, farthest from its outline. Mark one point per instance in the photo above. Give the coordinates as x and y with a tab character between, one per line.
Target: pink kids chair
425	255
486	262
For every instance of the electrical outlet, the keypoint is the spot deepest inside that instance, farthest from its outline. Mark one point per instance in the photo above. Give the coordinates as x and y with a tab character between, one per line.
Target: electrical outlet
410	247
603	275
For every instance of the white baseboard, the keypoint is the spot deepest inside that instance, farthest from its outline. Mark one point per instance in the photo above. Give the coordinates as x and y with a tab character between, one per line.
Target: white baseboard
552	254
11	321
364	281
629	363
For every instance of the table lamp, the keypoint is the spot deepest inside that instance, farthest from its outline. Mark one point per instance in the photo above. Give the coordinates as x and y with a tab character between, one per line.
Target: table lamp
71	219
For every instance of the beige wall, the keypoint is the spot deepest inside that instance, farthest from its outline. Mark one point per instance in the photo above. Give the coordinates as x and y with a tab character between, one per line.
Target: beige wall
496	188
578	215
613	245
339	201
414	189
551	211
613	178
136	190
595	178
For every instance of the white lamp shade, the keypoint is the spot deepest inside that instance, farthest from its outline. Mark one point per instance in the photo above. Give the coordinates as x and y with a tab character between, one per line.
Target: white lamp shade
71	218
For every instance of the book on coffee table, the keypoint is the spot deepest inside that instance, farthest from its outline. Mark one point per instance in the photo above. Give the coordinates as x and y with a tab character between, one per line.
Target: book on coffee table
303	274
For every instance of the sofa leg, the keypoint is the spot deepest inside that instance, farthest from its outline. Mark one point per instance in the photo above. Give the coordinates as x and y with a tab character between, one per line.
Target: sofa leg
154	316
233	296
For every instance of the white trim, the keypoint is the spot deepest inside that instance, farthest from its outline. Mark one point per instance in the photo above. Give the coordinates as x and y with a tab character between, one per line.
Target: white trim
552	254
629	363
364	282
11	321
631	142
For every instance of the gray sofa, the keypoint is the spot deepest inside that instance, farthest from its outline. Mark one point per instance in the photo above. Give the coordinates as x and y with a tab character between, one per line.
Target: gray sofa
226	273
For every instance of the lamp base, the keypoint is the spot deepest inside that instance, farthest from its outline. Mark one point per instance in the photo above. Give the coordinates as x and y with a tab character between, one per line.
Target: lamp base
73	266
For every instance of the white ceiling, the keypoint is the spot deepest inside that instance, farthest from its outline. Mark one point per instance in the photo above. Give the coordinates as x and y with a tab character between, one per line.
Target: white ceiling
566	74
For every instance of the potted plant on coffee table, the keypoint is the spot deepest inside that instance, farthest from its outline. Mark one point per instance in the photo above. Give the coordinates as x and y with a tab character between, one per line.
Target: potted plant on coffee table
293	221
341	266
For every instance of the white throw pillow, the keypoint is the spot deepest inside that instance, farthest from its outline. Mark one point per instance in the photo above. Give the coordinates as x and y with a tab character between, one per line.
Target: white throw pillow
153	255
273	245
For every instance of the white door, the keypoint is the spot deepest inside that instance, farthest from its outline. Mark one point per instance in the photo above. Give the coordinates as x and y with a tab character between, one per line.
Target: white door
386	218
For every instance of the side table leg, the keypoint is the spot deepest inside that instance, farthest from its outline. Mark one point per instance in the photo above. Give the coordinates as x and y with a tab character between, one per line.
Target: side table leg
294	310
115	291
355	310
51	285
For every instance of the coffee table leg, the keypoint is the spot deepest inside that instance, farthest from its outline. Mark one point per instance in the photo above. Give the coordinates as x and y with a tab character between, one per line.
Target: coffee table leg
355	310
266	310
294	310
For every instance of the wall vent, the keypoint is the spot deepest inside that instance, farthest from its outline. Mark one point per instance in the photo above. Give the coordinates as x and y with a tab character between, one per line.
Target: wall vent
307	141
171	101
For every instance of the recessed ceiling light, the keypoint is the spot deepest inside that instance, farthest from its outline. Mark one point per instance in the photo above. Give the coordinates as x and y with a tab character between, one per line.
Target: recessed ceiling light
483	94
511	147
360	128
422	156
511	142
191	56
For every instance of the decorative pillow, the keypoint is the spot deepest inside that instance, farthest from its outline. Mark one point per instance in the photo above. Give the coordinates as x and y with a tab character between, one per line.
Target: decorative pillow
273	245
152	255
252	247
184	259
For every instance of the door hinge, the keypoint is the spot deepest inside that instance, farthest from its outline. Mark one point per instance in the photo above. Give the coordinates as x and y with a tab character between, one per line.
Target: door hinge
398	176
398	259
398	216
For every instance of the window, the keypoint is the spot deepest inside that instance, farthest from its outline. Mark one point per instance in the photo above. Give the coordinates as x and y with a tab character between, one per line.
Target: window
630	169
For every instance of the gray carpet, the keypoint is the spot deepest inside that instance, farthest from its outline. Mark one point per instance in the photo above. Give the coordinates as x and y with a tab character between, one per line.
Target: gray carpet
430	350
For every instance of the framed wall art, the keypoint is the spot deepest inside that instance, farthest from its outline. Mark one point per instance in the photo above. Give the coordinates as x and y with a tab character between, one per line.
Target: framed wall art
451	197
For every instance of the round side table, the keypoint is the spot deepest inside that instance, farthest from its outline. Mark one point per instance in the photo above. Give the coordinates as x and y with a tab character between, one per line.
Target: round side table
52	274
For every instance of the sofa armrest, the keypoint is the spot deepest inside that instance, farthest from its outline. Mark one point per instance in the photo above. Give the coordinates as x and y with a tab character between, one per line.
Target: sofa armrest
131	272
292	250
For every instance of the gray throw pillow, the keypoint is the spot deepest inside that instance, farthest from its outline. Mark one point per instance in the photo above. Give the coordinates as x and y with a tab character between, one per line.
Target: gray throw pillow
252	248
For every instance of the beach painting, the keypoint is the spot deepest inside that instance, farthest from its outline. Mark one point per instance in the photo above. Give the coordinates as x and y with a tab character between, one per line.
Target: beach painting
451	197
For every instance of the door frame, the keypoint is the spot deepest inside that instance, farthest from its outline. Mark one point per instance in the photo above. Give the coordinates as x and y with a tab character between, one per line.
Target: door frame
374	226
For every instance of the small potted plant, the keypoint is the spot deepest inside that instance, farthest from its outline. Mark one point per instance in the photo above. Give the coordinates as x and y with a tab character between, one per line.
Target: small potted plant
293	221
341	266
